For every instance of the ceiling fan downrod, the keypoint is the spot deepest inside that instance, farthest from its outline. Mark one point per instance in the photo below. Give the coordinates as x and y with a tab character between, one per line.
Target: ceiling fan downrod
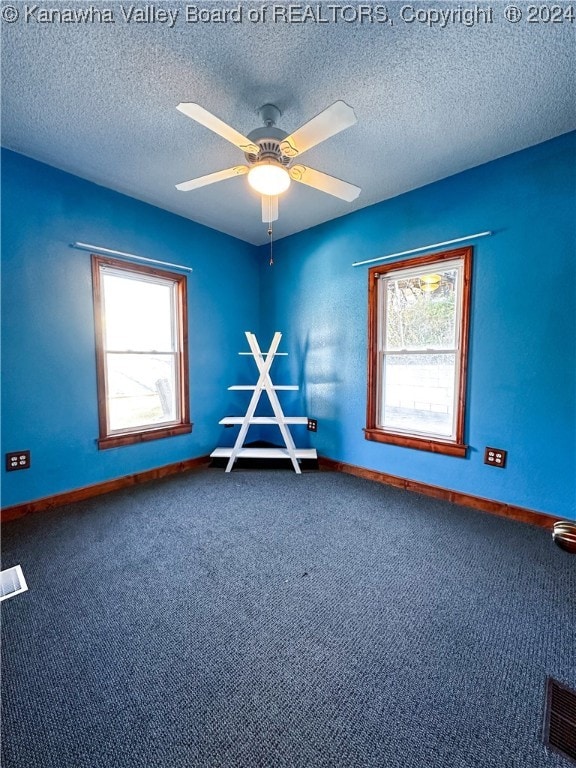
269	114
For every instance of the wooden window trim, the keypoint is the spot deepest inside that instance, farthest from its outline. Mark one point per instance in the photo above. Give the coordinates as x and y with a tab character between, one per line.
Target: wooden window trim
131	437
456	447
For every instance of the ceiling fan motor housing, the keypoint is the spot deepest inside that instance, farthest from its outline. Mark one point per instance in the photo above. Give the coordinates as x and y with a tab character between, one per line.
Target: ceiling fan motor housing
268	139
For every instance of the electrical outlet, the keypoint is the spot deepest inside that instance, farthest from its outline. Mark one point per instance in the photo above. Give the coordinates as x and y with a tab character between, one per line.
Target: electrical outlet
496	457
312	425
17	460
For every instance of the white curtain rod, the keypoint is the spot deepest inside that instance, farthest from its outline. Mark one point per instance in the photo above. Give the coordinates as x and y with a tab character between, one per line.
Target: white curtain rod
110	252
423	248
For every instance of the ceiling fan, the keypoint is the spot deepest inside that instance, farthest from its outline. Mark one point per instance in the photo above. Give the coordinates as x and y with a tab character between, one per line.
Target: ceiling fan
270	153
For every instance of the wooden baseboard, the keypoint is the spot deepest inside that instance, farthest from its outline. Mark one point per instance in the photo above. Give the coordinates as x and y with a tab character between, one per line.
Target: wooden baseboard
87	492
520	514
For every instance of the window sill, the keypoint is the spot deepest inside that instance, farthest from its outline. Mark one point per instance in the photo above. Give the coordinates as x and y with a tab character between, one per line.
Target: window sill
419	443
130	438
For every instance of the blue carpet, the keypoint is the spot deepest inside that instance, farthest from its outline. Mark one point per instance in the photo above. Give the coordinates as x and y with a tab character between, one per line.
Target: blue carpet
267	620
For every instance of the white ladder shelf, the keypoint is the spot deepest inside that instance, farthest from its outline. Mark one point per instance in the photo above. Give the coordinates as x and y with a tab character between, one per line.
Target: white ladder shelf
264	362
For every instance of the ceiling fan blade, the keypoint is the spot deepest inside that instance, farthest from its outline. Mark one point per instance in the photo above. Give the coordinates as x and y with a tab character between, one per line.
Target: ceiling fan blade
325	183
269	209
329	122
208	120
201	181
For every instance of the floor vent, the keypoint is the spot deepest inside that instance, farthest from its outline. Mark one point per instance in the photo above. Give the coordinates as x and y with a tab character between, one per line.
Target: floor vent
560	719
12	582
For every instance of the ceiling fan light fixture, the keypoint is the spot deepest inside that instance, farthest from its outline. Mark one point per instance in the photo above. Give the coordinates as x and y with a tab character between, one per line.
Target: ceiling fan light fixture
269	178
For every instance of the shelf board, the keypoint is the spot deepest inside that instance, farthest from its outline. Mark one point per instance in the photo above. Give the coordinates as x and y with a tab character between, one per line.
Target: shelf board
293	387
265	420
264	453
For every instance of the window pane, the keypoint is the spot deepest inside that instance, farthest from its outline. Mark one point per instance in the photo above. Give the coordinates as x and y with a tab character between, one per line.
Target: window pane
138	314
418	393
421	311
141	390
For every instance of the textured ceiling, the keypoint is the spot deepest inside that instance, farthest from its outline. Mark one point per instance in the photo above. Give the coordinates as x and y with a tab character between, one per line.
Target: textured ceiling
99	99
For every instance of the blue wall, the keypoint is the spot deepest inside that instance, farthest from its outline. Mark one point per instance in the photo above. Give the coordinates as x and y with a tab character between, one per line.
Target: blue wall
522	385
521	393
48	360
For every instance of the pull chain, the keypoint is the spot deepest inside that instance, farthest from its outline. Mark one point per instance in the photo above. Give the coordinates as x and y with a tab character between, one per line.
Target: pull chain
270	229
270	234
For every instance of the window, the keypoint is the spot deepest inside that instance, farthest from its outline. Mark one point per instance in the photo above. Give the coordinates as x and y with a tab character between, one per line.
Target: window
418	341
141	352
